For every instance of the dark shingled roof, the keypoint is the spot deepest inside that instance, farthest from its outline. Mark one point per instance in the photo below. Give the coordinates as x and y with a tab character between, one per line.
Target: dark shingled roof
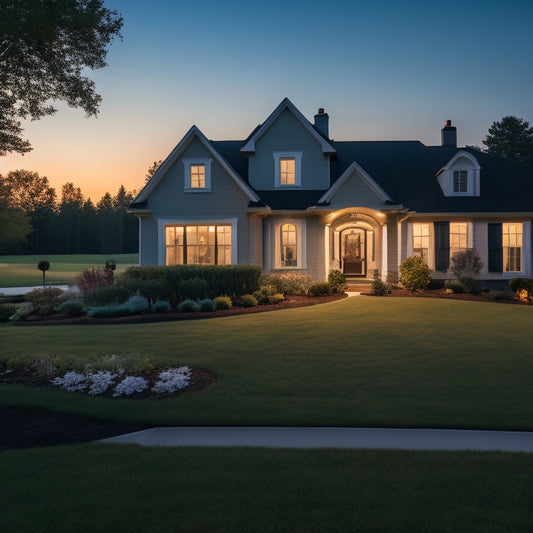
406	170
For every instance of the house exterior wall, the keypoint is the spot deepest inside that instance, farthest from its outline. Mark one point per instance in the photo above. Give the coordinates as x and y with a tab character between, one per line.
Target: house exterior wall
287	134
169	203
354	192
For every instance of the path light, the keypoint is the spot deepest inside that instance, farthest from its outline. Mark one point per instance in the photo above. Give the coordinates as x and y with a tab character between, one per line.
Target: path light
44	266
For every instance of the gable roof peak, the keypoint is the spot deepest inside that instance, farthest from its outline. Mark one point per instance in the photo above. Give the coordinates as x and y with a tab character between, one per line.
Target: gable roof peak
286	104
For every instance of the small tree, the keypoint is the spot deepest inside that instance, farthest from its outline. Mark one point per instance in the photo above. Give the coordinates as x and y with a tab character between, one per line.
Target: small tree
466	265
43	266
415	275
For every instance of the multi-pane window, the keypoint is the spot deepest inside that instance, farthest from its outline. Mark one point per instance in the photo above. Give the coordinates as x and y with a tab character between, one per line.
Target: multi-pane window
197	176
289	256
287	170
202	245
460	181
421	239
512	247
458	237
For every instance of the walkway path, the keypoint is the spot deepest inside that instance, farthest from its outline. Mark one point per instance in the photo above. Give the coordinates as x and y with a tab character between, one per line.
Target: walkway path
279	437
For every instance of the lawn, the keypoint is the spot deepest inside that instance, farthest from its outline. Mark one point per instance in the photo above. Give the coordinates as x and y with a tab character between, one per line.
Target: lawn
22	271
361	361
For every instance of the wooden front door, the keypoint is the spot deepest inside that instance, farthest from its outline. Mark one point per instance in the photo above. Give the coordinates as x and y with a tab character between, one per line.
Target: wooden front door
353	246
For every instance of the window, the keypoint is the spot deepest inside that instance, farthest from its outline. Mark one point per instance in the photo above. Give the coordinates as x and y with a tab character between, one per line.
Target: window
200	245
458	237
289	253
421	239
197	176
512	247
287	169
460	181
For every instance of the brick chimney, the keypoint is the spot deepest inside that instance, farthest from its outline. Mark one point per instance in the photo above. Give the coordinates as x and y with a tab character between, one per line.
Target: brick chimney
449	135
322	122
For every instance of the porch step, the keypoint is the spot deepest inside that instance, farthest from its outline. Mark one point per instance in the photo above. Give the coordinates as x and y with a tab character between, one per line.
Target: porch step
359	285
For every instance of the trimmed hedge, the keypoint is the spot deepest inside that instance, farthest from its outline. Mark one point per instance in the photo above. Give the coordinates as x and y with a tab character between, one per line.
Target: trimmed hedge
233	280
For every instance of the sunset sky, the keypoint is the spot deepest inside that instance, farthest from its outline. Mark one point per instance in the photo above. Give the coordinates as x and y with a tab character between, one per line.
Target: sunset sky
382	69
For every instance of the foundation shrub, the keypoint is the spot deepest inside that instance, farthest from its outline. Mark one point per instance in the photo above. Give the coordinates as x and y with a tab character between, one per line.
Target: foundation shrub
337	280
380	288
107	295
71	308
92	278
286	283
267	295
193	289
161	307
415	275
248	300
187	306
454	285
222	302
45	300
522	288
152	289
206	305
320	288
466	263
134	305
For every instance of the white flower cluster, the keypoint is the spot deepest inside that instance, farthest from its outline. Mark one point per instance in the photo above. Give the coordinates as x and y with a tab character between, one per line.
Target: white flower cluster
170	380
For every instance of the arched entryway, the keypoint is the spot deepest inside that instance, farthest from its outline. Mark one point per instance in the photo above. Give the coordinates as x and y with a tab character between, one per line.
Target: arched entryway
353	245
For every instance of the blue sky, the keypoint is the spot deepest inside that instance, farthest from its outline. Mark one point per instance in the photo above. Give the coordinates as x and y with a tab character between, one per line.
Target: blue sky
382	69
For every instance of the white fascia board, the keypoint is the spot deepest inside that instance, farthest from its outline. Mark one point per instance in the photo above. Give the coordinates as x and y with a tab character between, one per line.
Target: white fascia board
460	153
178	151
327	148
355	167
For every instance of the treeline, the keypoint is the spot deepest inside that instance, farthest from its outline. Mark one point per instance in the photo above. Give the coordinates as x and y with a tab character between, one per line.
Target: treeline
33	220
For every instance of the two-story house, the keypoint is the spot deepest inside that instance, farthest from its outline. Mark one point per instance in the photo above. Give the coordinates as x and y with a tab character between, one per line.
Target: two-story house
289	198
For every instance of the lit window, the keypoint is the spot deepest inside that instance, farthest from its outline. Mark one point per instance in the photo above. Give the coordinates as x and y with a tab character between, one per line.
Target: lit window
198	176
460	181
200	245
289	256
458	237
512	247
421	238
287	170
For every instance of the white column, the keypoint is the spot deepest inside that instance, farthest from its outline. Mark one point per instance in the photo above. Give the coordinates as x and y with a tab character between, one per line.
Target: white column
326	250
384	254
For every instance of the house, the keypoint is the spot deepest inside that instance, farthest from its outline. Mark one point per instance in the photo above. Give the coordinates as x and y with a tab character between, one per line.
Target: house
291	199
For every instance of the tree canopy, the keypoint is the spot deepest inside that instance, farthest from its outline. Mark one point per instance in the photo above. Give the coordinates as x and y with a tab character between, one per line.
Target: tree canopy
44	47
511	138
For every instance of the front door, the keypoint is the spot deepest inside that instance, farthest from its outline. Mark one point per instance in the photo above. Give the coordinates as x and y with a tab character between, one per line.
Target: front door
353	245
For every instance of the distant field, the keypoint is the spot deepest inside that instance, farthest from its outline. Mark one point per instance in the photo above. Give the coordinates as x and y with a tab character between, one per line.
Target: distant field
22	271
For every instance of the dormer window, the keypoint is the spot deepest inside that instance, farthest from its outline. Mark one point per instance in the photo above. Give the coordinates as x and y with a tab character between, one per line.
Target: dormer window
460	176
197	175
287	169
460	181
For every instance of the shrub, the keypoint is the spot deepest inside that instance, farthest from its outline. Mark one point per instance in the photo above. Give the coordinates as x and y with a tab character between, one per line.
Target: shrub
23	310
222	302
188	306
454	285
71	308
7	311
415	275
108	295
466	263
523	288
206	305
92	278
380	288
137	304
193	289
320	288
48	298
134	305
288	283
161	307
337	280
470	284
248	300
276	298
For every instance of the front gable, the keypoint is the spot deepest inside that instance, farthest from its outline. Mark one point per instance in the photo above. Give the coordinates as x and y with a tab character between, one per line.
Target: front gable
355	187
287	152
460	176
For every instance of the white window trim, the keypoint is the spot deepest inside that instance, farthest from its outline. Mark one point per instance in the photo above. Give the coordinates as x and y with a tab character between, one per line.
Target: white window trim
187	174
297	169
431	251
163	222
301	261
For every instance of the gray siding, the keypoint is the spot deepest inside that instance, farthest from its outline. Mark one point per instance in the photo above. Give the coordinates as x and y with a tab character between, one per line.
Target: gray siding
355	193
287	134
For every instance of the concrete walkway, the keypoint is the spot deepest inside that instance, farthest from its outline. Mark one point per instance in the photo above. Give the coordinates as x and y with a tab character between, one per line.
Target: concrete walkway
354	438
17	291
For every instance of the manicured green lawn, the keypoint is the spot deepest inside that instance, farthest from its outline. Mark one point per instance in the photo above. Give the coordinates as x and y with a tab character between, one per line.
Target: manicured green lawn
103	488
363	361
22	271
